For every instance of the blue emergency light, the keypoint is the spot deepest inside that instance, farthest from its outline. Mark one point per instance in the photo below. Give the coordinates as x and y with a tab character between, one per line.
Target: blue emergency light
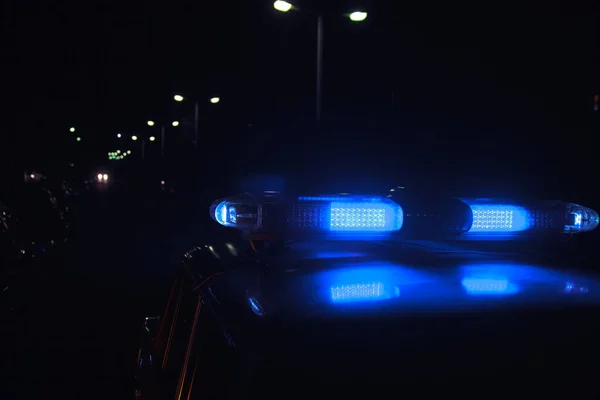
364	217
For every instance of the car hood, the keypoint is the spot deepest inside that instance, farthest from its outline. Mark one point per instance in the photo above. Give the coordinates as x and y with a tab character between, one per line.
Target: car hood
356	281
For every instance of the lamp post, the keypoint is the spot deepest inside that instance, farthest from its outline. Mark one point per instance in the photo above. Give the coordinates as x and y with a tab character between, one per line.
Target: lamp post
356	16
162	136
213	100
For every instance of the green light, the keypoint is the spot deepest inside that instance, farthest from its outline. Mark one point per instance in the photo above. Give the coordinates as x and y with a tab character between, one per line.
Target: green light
78	139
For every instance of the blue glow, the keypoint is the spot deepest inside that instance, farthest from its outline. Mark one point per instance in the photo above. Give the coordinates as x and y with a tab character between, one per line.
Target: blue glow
338	254
232	214
358	292
365	282
256	307
577	219
365	216
337	198
221	213
485	286
499	218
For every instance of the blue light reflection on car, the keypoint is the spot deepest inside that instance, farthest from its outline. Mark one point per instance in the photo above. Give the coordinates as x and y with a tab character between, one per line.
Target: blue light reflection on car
366	282
338	254
488	286
256	307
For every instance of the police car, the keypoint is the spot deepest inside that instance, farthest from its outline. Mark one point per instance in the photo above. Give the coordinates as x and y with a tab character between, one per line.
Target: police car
339	293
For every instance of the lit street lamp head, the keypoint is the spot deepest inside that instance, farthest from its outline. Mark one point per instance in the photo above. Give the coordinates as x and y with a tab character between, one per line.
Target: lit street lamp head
152	138
358	16
119	135
178	97
150	123
175	123
134	138
215	100
128	151
71	129
282	6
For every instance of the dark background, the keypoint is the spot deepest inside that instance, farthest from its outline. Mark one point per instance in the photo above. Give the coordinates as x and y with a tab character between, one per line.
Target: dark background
490	99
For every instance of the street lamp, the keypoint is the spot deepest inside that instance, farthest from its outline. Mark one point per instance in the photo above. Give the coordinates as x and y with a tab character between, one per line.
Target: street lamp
152	138
150	123
356	16
134	138
282	6
119	135
179	98
71	129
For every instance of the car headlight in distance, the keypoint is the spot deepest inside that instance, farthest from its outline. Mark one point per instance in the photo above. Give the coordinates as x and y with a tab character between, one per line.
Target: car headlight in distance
494	217
105	177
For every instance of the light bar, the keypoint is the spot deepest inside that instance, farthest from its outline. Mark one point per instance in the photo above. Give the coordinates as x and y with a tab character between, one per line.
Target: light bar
347	214
499	218
358	217
493	217
242	212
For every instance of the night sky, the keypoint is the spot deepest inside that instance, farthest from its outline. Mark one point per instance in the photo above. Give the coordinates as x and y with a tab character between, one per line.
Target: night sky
434	82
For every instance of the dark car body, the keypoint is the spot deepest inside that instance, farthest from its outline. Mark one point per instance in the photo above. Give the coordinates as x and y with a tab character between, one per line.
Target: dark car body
344	316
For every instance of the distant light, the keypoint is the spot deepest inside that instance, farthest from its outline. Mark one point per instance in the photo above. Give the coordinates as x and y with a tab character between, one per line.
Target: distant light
150	123
358	16
152	138
78	139
128	151
71	129
178	97
118	135
118	151
162	182
32	176
282	6
215	100
134	137
105	177
99	177
175	123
